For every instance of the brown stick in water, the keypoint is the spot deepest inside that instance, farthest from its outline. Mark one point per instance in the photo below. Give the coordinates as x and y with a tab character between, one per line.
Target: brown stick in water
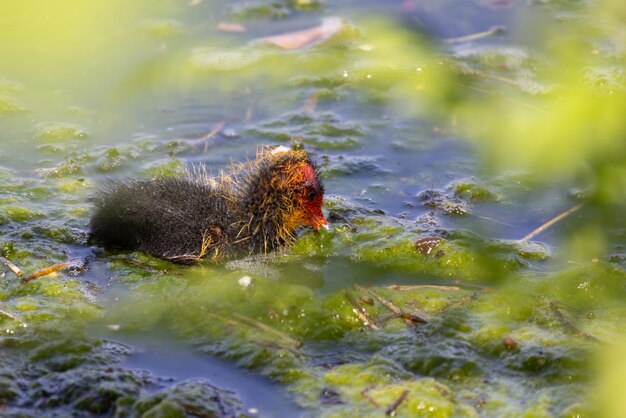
50	270
407	316
552	222
391	410
360	312
15	269
366	395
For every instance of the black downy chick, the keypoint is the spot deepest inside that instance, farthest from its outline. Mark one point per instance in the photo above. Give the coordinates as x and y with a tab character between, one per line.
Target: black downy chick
255	208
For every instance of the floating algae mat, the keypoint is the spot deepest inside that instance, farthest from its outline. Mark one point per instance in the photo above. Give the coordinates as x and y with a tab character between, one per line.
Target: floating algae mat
447	134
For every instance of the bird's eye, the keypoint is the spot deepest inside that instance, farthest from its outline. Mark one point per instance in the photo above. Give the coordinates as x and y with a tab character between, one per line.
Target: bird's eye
311	195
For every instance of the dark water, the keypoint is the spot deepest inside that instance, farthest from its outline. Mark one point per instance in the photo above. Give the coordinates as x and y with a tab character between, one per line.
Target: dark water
164	356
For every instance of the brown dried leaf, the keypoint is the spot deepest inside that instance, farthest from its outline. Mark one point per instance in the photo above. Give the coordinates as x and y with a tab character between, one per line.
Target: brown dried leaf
231	27
306	37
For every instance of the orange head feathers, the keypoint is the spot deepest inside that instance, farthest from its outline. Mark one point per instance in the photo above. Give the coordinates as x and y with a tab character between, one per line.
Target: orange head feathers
311	197
285	186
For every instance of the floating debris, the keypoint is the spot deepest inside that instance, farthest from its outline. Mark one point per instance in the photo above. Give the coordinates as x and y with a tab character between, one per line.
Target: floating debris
305	38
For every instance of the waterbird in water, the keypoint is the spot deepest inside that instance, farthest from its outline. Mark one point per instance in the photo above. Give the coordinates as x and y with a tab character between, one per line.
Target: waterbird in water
255	207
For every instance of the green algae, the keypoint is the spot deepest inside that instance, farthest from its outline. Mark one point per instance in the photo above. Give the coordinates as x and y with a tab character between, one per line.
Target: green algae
71	373
179	400
323	130
473	192
9	105
316	345
170	168
58	132
21	214
390	242
501	339
289	339
460	346
60	234
61	369
113	159
444	203
305	319
72	186
74	164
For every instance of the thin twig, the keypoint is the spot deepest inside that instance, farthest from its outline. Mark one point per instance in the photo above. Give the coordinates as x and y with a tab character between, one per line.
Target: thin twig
245	321
391	410
460	302
267	328
366	395
492	220
476	36
217	128
361	312
509	99
43	272
15	269
49	270
484	74
214	131
221	317
552	222
568	324
10	315
407	316
384	318
422	286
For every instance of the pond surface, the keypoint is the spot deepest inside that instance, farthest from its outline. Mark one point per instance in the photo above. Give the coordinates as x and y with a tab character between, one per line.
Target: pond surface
162	355
418	120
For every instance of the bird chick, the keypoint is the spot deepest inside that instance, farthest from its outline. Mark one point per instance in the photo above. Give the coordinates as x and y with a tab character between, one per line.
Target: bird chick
255	207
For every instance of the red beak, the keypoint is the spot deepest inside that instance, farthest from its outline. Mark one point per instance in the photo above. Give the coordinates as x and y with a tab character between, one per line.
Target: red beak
317	219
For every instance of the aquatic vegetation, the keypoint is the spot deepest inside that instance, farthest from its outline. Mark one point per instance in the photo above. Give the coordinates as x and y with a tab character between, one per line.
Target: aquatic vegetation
55	131
445	144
